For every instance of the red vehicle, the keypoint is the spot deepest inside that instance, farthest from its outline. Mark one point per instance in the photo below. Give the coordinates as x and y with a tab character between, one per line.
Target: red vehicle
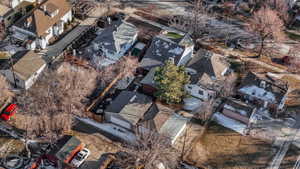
8	112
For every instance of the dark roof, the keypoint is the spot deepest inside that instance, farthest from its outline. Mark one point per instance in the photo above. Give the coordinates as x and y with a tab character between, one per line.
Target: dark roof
156	116
149	78
160	50
65	146
272	86
126	98
114	37
5	63
206	63
239	106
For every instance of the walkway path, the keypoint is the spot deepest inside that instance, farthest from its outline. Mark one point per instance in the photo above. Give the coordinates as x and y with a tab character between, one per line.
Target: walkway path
284	147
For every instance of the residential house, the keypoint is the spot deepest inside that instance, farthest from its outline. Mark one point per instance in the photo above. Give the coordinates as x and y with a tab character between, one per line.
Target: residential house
15	3
23	69
207	68
177	47
136	112
163	120
10	13
195	90
127	109
263	91
112	43
148	83
45	22
235	115
200	92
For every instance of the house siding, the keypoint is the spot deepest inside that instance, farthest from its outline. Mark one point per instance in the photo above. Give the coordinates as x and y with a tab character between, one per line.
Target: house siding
117	120
10	77
29	82
186	56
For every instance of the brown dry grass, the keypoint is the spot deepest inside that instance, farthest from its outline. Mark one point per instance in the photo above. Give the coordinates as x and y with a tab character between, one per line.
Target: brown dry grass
222	148
293	98
10	146
97	144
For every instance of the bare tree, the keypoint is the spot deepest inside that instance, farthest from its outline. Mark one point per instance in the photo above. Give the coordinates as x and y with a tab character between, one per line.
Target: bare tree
151	151
74	84
195	22
5	91
267	24
206	110
5	2
228	85
52	103
282	7
123	68
294	60
2	31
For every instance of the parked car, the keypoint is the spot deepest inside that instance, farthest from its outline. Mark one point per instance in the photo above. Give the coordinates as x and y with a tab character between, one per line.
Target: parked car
8	112
80	157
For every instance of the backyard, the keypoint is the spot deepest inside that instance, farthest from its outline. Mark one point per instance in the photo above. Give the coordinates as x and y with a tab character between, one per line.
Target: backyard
222	148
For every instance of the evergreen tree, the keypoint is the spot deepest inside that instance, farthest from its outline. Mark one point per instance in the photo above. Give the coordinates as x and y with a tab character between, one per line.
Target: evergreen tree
170	80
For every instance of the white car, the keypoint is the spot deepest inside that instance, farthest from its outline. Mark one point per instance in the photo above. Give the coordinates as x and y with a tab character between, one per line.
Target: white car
80	157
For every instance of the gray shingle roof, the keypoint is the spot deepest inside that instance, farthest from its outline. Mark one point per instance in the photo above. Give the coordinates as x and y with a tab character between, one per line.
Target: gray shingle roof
126	98
115	36
160	50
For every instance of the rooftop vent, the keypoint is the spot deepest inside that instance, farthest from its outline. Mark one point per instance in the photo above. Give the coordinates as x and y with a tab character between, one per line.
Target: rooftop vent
132	98
172	59
263	84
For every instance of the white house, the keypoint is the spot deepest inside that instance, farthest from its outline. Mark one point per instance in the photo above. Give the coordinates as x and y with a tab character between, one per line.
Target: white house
14	3
112	43
25	71
46	21
200	92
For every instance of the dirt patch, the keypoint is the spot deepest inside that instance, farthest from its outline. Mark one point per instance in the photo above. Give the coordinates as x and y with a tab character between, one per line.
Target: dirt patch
222	148
97	144
146	30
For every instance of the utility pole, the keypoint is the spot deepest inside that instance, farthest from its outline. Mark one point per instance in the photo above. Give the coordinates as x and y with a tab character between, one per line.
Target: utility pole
12	70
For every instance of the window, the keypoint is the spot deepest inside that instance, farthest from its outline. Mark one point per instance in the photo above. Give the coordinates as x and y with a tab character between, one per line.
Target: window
200	92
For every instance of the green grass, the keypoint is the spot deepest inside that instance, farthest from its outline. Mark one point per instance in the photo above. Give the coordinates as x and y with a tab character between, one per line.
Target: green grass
174	35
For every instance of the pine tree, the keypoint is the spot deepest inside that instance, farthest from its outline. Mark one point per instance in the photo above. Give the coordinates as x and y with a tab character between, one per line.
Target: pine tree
170	80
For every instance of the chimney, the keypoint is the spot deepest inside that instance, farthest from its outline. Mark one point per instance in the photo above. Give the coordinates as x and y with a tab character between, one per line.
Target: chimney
38	1
28	21
44	7
263	84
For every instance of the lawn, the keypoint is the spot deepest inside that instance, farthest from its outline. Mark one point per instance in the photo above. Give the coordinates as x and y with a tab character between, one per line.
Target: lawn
222	148
174	35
